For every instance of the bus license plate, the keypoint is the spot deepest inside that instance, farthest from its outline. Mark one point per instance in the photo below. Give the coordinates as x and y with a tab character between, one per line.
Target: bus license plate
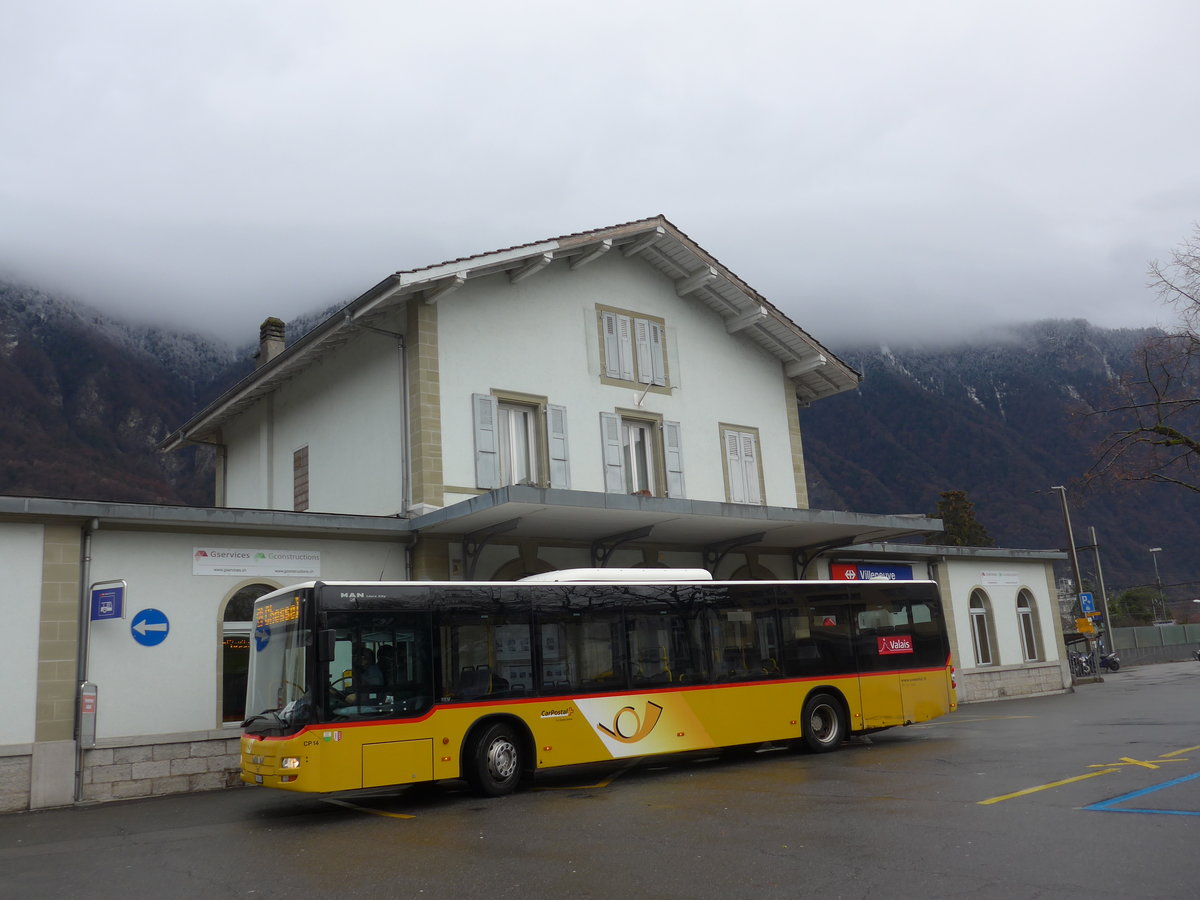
258	779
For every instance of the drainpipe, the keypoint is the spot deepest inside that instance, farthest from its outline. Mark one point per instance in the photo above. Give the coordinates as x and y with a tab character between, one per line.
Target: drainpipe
84	640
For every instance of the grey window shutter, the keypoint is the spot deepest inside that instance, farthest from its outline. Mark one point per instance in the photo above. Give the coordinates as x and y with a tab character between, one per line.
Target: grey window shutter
750	461
625	343
614	463
487	456
673	457
560	469
612	346
641	338
658	355
734	467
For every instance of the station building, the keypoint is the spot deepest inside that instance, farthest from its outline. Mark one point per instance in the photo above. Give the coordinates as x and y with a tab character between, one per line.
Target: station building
610	398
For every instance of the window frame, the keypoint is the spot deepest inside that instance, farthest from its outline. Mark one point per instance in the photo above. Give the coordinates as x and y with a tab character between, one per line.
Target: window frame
640	349
549	462
1029	626
665	468
756	486
979	609
300	479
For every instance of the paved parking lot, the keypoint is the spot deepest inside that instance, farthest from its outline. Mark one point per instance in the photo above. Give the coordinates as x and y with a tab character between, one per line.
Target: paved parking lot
1096	791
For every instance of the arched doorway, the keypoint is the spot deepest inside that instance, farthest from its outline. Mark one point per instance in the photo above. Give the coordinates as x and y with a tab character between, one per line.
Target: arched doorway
236	627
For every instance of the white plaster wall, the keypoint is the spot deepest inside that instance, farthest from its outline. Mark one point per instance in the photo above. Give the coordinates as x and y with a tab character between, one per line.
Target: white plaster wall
348	409
172	687
21	563
540	337
965	576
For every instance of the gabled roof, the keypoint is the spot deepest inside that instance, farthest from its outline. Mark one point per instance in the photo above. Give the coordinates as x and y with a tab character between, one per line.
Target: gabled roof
814	370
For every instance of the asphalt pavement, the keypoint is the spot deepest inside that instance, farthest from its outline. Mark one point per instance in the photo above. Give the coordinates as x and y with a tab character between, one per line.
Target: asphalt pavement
1095	791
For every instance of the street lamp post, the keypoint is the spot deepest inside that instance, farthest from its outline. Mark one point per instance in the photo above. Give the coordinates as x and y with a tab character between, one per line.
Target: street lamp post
1160	611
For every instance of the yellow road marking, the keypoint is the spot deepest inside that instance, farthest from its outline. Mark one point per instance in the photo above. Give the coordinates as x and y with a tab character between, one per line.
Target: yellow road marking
1144	763
1045	787
1177	752
365	809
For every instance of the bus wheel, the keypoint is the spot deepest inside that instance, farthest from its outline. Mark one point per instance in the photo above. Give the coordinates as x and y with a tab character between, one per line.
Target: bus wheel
494	761
823	724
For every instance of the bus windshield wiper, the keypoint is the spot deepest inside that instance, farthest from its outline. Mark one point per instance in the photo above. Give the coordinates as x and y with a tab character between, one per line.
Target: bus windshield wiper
266	715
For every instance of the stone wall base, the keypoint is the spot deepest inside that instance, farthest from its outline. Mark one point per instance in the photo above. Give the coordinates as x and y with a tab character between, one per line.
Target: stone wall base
1007	682
123	768
170	765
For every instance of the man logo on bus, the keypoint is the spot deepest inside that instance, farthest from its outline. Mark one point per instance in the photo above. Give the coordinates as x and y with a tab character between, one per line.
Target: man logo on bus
628	727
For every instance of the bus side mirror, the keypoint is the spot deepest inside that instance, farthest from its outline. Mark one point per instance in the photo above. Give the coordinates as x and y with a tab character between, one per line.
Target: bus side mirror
325	644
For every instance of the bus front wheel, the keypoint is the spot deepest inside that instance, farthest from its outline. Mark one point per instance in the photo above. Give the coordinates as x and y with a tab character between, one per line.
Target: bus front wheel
494	761
823	723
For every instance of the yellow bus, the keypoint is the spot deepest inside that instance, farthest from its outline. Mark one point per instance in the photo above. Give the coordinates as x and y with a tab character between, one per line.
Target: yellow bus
371	684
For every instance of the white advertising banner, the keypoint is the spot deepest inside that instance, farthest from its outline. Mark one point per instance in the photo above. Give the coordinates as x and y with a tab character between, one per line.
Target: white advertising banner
269	563
1008	578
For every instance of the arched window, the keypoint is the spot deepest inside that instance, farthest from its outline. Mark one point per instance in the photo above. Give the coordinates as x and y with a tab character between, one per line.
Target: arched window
982	628
1027	621
236	626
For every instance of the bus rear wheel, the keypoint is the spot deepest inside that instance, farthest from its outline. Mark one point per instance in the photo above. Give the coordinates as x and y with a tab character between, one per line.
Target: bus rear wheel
823	724
494	761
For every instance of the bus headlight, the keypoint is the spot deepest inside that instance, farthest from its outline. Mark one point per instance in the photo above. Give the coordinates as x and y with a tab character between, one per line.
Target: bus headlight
290	762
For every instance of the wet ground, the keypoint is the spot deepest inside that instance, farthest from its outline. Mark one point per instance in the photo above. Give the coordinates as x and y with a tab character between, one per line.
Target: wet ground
1097	791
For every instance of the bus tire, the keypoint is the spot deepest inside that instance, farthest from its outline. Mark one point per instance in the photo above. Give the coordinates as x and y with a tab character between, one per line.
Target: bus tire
822	723
494	763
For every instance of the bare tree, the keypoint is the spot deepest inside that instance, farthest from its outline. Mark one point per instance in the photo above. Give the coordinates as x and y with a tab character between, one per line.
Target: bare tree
1155	412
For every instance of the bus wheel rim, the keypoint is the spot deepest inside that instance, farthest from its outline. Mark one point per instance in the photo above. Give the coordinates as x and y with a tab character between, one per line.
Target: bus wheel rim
823	723
502	759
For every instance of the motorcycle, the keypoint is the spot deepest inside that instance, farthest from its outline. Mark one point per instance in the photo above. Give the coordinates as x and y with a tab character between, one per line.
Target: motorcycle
1112	662
1196	653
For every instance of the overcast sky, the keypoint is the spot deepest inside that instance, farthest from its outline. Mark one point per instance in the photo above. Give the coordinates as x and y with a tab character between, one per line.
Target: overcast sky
876	169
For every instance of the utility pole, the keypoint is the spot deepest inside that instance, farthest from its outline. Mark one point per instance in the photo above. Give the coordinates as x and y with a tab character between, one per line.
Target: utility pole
1108	626
1062	491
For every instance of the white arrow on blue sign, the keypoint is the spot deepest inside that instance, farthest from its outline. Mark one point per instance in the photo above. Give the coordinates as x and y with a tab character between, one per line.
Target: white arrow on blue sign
150	627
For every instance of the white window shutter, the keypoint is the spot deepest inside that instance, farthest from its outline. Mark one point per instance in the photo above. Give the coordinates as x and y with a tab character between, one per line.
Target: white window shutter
614	458
556	432
641	335
625	342
487	456
673	457
658	356
612	346
750	466
734	468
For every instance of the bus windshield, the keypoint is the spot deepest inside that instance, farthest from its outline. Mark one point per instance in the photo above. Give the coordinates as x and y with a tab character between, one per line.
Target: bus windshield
277	699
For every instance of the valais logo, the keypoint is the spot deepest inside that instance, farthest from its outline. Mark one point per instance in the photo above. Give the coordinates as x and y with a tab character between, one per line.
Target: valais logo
201	554
900	643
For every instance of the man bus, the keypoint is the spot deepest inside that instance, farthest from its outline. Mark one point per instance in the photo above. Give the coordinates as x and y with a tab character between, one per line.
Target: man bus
493	681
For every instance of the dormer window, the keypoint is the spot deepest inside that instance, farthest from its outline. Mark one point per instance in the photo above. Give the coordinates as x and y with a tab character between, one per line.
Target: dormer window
633	348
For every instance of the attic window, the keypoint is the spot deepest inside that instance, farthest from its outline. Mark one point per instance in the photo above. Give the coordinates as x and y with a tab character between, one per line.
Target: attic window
632	348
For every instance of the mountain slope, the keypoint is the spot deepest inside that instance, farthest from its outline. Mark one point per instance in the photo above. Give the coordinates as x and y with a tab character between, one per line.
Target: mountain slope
1001	420
83	401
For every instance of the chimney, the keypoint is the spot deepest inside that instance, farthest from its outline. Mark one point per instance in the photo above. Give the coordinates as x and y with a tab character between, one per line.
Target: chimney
270	340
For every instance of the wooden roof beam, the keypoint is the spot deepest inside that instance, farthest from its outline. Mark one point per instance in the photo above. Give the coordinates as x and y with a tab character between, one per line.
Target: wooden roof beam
532	267
695	280
804	366
443	287
592	253
644	242
734	324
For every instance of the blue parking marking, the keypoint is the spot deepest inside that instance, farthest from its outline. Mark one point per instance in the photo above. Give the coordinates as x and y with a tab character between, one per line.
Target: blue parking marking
1111	805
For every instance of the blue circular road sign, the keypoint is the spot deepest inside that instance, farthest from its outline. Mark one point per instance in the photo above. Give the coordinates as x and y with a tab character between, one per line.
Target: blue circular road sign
150	627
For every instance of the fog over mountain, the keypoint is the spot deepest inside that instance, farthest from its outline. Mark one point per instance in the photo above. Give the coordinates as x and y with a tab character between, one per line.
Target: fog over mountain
84	399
